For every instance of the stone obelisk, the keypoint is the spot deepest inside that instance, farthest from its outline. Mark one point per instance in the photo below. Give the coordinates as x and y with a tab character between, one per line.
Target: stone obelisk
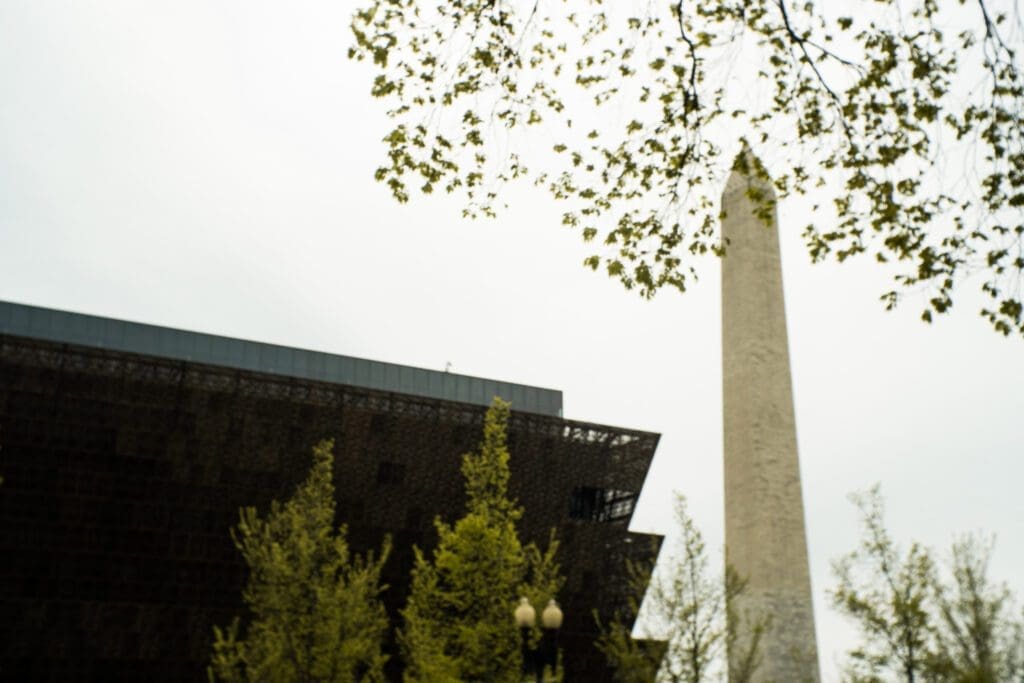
765	538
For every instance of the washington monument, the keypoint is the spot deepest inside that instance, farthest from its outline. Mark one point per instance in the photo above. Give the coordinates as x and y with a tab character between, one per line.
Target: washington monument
764	512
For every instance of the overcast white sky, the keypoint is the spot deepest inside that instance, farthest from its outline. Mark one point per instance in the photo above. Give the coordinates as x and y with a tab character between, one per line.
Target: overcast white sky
209	166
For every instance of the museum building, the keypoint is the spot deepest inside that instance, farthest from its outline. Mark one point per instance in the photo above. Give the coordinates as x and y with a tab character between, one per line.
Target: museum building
126	451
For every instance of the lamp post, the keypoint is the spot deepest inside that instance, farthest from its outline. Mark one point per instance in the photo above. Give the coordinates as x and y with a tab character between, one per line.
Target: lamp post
535	660
526	617
551	620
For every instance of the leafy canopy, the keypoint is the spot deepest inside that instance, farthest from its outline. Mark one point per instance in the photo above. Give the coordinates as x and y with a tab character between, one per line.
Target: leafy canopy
905	119
316	613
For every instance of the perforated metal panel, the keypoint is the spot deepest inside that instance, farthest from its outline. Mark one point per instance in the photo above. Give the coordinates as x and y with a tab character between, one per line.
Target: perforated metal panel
123	473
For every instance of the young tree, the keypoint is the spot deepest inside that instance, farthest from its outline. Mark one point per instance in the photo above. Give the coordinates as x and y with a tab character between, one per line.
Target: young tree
316	613
864	105
458	622
697	611
917	624
888	596
980	641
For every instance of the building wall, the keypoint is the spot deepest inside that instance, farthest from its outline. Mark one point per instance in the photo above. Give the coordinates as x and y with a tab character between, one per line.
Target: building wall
124	472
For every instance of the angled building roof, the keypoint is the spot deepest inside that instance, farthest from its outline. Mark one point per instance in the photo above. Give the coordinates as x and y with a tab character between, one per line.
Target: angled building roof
132	337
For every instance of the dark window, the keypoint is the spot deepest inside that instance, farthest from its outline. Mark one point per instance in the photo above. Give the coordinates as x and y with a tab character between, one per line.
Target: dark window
462	436
414	518
390	472
583	503
601	505
380	424
350	510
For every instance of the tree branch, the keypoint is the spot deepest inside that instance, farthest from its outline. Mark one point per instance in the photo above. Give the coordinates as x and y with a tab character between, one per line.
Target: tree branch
802	43
692	94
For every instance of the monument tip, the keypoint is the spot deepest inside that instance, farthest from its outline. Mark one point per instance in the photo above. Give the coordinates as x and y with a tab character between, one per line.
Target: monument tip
748	173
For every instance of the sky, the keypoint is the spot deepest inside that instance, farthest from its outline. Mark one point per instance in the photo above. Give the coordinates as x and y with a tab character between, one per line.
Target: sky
209	166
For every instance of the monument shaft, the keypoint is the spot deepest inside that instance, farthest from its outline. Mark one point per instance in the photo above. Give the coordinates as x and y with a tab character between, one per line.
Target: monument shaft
764	513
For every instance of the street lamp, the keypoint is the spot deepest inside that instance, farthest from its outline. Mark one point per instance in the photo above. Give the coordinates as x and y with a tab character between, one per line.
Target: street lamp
551	620
526	616
535	660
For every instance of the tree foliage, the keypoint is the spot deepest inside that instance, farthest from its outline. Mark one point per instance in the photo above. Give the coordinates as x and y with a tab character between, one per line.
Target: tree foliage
979	639
698	613
315	612
905	118
918	625
458	622
888	596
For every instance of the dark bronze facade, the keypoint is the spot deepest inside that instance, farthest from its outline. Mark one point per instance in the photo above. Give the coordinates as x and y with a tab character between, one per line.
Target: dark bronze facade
123	473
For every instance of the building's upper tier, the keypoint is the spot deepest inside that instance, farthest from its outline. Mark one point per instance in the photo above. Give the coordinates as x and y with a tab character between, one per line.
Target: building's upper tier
122	335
